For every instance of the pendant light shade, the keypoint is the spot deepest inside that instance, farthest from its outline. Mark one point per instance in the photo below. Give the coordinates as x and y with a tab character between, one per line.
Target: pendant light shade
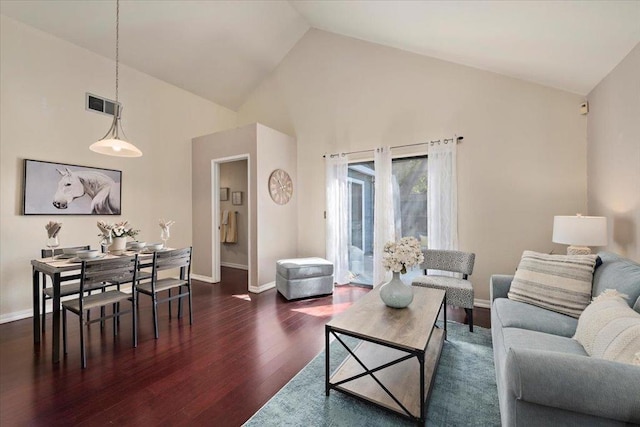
112	144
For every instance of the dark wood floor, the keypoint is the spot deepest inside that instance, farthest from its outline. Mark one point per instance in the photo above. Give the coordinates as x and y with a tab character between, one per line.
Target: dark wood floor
240	351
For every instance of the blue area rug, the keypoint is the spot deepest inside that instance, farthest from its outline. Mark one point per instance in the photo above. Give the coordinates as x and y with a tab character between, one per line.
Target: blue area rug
464	392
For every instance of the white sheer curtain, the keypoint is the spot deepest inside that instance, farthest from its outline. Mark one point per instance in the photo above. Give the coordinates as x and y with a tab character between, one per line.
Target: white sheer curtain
337	223
383	216
442	206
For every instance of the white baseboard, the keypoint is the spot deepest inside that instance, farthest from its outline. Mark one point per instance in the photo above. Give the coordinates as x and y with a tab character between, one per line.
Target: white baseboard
232	265
262	288
206	279
16	315
482	303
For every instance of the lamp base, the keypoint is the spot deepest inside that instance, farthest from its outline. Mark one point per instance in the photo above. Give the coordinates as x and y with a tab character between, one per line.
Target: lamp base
578	250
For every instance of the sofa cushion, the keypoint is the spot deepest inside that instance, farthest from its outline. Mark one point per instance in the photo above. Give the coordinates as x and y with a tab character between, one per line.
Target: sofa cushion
534	340
561	283
515	314
617	273
609	329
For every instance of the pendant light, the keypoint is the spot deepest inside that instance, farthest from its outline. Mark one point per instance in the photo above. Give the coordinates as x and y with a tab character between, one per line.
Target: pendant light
114	142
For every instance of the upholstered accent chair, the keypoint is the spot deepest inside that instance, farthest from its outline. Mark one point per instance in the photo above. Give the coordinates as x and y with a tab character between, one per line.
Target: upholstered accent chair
459	290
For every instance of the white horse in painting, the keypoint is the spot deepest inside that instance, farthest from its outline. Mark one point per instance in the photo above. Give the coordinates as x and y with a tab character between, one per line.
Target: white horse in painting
103	191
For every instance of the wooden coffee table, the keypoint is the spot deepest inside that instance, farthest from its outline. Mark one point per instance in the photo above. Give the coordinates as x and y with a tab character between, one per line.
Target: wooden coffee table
398	353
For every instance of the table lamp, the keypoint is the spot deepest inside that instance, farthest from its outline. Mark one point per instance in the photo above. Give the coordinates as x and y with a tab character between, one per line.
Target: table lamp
580	232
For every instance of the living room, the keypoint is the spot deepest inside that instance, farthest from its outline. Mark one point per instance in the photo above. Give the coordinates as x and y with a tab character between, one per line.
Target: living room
528	153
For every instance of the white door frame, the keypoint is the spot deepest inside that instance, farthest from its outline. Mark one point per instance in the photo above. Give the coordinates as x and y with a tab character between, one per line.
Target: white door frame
215	214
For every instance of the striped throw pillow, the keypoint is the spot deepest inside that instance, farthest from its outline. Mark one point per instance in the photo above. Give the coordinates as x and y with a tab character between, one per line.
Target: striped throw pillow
560	283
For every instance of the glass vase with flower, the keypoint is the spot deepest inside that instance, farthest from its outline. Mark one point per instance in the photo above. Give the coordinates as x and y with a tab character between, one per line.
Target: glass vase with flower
53	228
397	257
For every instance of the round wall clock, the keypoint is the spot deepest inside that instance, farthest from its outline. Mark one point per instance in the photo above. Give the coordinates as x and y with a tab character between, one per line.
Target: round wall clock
280	187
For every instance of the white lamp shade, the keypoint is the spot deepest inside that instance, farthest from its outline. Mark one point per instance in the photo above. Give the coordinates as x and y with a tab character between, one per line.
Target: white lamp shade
115	147
580	230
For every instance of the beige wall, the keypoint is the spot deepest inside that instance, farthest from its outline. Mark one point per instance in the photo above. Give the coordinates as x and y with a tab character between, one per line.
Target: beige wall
523	159
613	155
233	175
230	143
43	82
277	224
272	228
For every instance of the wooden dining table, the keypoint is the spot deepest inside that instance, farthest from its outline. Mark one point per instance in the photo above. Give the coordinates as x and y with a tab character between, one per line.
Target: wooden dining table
60	271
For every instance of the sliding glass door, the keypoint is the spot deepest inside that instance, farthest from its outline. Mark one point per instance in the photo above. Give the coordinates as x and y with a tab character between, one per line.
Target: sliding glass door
410	206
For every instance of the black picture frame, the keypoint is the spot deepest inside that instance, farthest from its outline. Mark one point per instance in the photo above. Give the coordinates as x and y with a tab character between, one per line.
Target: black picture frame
51	188
236	198
224	194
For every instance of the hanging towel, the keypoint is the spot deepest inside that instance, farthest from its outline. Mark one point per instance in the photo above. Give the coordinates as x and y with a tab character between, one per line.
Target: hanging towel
224	219
232	228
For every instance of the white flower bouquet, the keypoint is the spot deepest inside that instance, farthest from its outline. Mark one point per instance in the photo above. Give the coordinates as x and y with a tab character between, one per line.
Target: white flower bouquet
119	229
398	256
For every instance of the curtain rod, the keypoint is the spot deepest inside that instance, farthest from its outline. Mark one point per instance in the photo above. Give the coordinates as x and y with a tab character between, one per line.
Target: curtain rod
458	139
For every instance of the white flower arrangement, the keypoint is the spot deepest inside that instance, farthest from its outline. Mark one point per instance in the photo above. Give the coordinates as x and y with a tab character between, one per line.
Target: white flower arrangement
398	256
119	229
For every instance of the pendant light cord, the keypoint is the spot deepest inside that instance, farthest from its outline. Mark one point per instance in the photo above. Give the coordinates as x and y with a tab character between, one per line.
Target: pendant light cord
117	48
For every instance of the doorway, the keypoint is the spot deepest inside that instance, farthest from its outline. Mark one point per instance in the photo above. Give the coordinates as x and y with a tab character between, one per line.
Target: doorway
231	208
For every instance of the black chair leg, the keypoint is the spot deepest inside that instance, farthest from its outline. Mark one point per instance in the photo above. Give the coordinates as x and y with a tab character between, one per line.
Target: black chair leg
155	316
83	355
64	330
180	303
115	319
470	318
169	302
134	321
44	313
190	310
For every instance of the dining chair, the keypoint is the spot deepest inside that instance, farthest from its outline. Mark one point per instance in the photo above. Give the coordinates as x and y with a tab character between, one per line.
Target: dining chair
93	276
167	261
459	291
65	290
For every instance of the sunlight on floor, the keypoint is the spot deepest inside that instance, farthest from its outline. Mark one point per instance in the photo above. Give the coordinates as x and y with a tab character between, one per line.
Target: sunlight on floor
245	297
324	310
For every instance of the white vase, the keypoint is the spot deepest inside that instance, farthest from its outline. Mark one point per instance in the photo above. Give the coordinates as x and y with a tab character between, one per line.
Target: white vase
118	246
395	293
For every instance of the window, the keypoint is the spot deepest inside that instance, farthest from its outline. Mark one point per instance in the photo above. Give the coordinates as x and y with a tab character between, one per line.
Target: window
410	203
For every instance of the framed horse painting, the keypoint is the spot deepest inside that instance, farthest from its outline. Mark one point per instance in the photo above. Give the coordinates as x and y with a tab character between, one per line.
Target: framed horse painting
63	189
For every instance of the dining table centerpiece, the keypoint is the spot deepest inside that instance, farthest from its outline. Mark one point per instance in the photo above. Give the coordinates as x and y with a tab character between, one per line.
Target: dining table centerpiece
397	257
117	234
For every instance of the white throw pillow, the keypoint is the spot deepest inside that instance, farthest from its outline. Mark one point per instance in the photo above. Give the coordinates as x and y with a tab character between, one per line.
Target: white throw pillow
609	329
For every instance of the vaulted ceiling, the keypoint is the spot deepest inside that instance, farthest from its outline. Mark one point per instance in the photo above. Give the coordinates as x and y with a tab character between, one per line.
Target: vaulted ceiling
222	50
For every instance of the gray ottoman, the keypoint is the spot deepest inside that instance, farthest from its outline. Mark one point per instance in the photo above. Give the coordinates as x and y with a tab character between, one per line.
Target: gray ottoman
304	277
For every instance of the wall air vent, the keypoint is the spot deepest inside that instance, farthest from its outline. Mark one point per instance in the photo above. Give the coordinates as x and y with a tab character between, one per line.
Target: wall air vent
99	104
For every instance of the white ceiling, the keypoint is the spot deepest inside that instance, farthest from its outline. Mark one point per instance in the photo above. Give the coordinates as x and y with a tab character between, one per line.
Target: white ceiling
222	50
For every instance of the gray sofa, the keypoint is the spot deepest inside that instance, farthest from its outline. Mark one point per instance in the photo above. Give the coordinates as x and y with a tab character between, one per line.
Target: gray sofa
544	376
